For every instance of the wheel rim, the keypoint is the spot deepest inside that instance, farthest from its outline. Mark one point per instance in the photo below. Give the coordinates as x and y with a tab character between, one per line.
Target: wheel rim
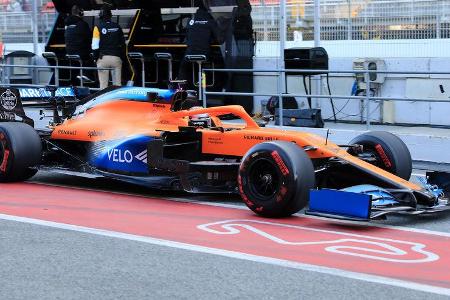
264	179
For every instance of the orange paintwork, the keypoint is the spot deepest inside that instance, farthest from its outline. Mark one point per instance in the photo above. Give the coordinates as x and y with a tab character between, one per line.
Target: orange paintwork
123	118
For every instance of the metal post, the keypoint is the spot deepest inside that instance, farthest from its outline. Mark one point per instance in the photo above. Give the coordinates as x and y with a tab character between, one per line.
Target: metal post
281	74
266	36
169	63
367	80
349	21
35	27
113	75
143	71
57	73
438	26
81	74
316	23
317	78
200	84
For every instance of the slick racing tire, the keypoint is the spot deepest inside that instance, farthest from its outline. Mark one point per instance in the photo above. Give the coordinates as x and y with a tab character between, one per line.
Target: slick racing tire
20	150
275	178
390	152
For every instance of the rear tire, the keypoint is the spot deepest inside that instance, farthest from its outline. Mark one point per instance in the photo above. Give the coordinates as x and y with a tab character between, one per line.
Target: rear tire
275	179
20	151
390	151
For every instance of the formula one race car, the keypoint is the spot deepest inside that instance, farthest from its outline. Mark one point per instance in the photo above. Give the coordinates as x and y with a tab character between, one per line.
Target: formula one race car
160	138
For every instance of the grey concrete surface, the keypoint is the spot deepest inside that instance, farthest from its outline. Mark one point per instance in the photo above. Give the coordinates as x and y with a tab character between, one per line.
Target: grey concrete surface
39	262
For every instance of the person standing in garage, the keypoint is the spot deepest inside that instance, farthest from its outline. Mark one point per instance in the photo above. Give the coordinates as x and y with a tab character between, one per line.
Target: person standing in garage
108	43
201	32
77	36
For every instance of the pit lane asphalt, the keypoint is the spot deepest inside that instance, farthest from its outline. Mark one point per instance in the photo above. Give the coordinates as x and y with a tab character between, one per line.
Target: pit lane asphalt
50	263
46	263
436	222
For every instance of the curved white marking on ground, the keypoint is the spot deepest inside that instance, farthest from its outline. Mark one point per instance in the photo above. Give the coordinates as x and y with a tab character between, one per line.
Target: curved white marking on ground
391	253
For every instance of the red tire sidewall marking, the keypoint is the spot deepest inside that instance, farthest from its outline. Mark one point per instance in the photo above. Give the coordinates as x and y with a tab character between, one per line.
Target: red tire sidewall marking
6	153
386	161
280	163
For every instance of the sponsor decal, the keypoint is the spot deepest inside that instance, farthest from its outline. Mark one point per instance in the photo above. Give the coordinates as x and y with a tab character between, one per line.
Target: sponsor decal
199	123
215	140
191	22
136	91
159	105
120	156
125	156
142	156
95	133
104	31
7	116
67	132
260	138
283	168
8	100
42	93
384	157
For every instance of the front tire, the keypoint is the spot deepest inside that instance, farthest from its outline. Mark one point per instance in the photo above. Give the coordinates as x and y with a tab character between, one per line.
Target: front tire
20	151
275	179
390	152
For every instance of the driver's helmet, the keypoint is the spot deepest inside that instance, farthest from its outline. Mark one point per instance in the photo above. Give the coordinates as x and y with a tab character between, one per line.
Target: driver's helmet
200	120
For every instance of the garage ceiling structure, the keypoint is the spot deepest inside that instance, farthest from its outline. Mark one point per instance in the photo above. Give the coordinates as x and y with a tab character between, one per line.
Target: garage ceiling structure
64	6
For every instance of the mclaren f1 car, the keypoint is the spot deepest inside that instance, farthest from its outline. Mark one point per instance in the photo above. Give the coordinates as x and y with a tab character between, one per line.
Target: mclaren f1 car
162	139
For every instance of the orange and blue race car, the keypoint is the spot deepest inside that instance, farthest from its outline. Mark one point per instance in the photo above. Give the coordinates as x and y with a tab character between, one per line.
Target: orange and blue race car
161	138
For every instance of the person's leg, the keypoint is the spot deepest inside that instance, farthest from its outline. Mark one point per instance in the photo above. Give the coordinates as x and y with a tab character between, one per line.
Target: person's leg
117	65
103	75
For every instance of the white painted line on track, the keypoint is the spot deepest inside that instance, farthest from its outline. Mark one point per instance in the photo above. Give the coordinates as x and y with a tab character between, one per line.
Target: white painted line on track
236	255
243	207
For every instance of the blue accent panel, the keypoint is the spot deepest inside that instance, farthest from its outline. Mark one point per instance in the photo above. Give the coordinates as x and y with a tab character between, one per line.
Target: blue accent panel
127	93
340	203
127	155
380	197
135	93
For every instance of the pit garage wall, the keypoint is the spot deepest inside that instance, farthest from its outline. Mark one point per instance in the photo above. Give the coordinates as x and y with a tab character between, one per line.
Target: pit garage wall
395	85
